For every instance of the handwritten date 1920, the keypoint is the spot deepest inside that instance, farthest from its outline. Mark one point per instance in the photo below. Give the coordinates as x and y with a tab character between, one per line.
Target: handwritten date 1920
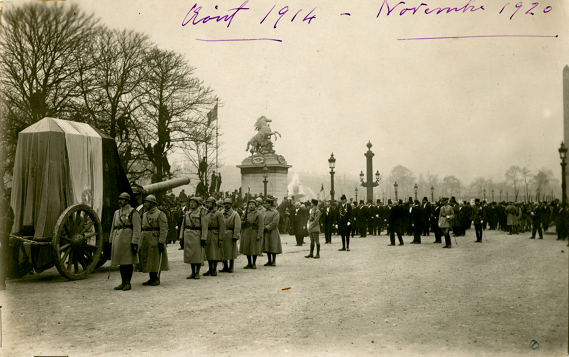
529	12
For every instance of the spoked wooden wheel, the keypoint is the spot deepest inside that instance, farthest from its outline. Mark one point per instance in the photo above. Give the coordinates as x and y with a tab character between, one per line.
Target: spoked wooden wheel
78	241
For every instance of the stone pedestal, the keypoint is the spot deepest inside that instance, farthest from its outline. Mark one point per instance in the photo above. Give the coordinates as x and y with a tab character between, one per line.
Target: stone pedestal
252	175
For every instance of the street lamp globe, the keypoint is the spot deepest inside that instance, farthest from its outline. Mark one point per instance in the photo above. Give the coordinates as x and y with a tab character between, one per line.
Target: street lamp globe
563	151
265	171
332	162
377	176
361	176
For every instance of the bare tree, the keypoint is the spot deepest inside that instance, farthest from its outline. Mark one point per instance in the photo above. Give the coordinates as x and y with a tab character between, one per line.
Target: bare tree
404	178
526	176
41	45
451	185
513	177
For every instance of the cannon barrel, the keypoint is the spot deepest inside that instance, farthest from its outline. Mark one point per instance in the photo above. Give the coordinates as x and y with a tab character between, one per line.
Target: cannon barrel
165	185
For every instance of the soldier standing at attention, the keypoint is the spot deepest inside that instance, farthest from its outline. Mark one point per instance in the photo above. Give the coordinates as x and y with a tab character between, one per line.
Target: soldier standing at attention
153	255
253	227
232	235
478	219
314	229
215	235
125	239
272	239
194	233
445	219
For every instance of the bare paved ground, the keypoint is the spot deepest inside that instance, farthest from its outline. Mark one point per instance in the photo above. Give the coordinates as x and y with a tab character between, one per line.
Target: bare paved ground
489	299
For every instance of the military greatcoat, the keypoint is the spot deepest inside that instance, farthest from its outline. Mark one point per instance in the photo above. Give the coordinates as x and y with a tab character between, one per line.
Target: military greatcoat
272	237
252	233
125	231
215	234
193	232
154	231
232	233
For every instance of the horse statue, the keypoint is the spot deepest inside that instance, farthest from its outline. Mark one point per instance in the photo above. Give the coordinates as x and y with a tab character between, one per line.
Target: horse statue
261	143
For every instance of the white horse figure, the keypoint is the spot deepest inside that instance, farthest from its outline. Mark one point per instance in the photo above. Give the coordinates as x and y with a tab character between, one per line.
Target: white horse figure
263	136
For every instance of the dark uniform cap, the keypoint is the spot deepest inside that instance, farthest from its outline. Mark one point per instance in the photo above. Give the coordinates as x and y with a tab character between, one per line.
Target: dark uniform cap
314	201
343	197
124	196
151	198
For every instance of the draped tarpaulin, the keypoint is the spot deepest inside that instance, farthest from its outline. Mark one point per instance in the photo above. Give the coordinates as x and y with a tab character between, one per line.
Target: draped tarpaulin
57	164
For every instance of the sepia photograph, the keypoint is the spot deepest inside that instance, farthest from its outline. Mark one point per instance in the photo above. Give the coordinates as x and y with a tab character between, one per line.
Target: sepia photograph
366	178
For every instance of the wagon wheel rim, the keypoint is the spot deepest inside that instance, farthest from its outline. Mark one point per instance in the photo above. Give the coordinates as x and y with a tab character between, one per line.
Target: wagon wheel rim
77	242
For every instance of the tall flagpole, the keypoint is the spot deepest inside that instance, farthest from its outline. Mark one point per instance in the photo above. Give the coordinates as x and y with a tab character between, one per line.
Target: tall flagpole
216	132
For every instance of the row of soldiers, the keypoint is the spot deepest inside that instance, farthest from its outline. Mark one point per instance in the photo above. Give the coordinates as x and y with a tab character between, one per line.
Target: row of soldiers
210	231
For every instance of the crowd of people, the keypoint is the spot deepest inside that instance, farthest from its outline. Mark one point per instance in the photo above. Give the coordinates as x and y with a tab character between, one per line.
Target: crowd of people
216	230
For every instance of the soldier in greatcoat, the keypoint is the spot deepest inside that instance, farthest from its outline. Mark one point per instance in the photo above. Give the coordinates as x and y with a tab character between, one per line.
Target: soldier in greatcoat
252	234
125	239
272	239
153	255
215	236
194	234
232	235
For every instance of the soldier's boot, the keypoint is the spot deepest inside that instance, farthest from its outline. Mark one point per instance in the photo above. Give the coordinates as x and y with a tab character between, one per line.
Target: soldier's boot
225	268
214	268
317	256
209	270
155	279
254	265
274	262
311	251
193	272
231	264
198	267
129	270
120	287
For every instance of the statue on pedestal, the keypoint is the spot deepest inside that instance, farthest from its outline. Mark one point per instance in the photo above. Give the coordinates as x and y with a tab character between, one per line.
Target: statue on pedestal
261	143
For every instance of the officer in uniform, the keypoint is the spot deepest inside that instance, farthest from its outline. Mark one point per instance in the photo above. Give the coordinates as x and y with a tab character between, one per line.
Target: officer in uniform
194	235
446	216
153	255
314	229
215	235
272	239
252	234
125	239
232	235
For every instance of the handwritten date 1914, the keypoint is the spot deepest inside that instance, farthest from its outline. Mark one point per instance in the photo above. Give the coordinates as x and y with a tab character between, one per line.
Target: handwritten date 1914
284	10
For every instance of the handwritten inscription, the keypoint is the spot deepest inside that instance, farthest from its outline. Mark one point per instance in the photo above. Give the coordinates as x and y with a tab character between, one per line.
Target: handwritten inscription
426	9
195	13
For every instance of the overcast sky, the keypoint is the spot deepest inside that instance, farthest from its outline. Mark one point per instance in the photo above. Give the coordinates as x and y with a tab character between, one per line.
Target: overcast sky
464	107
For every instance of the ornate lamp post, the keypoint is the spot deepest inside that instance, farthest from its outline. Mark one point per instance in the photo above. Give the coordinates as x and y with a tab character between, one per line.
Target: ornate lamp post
492	195
500	195
537	195
563	156
416	188
432	194
395	187
356	195
332	165
484	194
265	176
369	184
506	196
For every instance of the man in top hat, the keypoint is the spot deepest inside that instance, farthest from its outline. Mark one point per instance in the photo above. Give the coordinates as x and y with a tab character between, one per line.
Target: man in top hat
314	229
343	222
125	239
426	212
327	219
478	218
362	219
299	217
445	218
397	222
272	239
232	235
153	255
416	218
